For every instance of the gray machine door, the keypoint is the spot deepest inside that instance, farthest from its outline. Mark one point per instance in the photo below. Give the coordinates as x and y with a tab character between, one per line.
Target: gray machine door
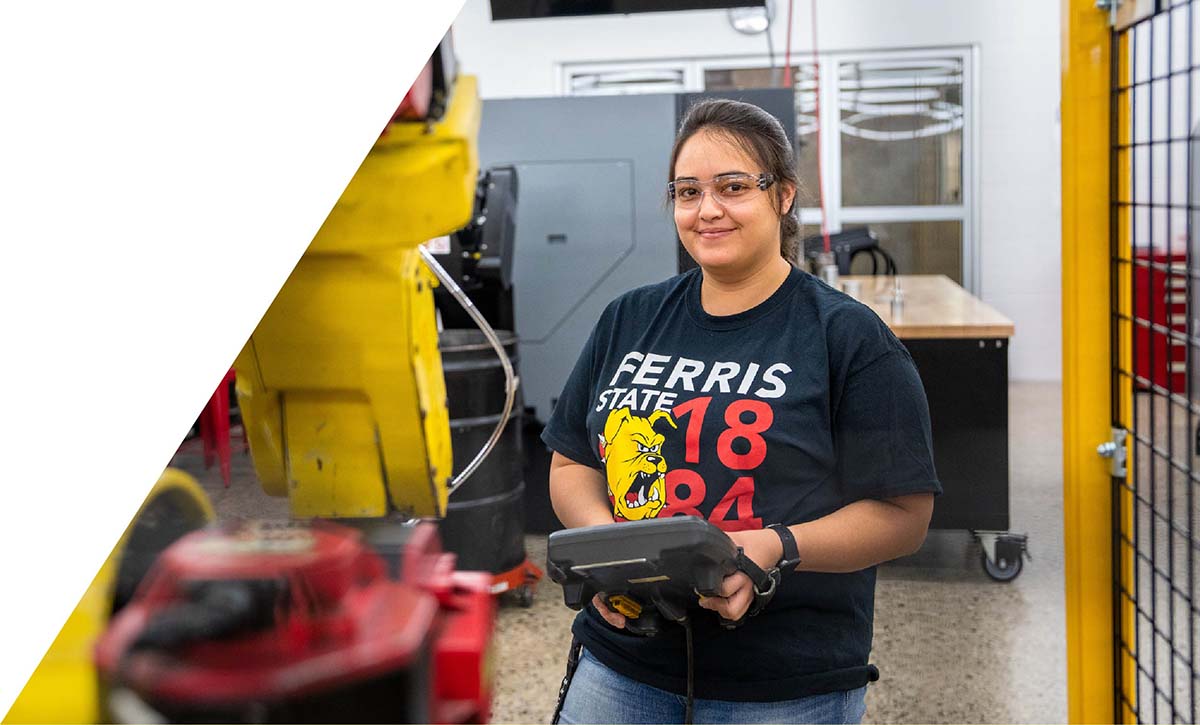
574	228
591	220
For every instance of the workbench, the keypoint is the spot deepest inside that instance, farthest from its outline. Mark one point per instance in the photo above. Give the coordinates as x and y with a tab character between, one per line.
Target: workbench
960	346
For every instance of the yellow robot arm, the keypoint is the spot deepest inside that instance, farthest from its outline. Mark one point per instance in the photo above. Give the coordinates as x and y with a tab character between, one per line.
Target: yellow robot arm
341	385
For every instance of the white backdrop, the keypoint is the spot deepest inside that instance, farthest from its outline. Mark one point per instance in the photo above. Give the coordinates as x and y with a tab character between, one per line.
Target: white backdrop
162	168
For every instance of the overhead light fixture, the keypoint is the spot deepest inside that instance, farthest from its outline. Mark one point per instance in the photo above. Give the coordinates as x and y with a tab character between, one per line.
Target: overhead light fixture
752	21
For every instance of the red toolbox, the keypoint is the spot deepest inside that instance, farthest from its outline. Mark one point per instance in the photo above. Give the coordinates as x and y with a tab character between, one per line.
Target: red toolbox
1160	288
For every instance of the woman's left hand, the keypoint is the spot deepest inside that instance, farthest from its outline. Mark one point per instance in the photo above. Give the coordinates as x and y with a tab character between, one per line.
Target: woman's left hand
736	592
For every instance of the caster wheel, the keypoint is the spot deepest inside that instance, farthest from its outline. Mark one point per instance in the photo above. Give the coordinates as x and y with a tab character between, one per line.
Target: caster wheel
1004	569
525	596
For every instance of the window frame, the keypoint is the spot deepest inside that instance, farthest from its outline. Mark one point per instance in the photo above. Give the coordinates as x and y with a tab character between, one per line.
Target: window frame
838	215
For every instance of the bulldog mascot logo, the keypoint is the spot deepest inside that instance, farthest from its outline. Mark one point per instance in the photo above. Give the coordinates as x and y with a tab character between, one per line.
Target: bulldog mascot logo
632	454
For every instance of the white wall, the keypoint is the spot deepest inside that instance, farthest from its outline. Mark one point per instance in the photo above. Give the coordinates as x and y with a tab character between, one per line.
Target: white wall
1019	158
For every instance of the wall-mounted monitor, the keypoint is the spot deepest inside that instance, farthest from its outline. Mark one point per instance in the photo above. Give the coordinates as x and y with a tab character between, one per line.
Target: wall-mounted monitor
523	9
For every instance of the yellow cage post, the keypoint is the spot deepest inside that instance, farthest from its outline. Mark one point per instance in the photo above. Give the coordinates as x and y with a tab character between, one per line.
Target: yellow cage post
1087	364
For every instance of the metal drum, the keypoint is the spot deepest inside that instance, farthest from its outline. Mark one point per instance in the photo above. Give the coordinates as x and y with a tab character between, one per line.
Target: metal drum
485	519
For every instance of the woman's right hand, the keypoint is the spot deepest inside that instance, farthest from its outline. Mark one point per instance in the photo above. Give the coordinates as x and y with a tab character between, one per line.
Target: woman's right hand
616	619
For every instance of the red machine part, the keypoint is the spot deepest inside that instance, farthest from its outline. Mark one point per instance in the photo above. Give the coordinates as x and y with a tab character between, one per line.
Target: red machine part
461	650
303	623
1160	299
415	106
462	657
214	429
522	580
434	80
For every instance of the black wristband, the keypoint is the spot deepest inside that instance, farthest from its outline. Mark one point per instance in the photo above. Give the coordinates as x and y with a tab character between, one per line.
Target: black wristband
791	552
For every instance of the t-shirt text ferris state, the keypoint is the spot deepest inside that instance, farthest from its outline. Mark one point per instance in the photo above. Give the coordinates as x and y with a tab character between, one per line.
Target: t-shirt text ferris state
652	387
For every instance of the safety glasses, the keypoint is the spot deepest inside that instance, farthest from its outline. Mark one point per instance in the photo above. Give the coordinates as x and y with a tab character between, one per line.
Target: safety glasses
727	189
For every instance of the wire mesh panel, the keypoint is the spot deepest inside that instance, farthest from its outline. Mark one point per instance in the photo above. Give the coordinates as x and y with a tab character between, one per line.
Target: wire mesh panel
1156	340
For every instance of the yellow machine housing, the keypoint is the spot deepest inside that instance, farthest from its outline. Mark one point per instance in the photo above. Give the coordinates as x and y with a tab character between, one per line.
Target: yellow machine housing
340	386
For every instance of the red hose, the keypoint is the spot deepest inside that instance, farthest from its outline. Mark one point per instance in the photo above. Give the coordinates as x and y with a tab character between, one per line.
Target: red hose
787	55
817	95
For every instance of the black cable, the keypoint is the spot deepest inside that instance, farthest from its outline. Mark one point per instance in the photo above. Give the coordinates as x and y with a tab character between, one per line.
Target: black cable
214	610
572	665
687	628
891	261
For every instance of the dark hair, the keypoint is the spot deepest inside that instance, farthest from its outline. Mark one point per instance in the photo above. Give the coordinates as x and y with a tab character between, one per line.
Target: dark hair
762	137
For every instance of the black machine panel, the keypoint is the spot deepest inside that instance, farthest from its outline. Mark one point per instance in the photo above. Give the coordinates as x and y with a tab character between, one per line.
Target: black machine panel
968	408
524	9
480	255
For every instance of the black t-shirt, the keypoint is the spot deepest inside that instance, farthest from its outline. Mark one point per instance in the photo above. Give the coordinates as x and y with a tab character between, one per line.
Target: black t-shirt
780	414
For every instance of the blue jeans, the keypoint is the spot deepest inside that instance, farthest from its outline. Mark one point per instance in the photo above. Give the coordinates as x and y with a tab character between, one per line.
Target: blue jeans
599	695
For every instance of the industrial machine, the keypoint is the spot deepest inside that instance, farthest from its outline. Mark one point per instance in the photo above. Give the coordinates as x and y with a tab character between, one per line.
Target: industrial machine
342	395
341	383
303	623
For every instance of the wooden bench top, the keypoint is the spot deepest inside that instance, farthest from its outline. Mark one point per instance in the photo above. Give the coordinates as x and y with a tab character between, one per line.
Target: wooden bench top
934	307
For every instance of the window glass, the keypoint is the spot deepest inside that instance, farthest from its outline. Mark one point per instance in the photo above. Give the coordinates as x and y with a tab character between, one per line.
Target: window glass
917	248
901	132
804	78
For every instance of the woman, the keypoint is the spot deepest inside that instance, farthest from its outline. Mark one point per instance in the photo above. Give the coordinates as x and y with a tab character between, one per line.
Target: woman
751	394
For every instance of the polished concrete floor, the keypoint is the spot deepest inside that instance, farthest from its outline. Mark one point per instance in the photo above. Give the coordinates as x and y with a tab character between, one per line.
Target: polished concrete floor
952	646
